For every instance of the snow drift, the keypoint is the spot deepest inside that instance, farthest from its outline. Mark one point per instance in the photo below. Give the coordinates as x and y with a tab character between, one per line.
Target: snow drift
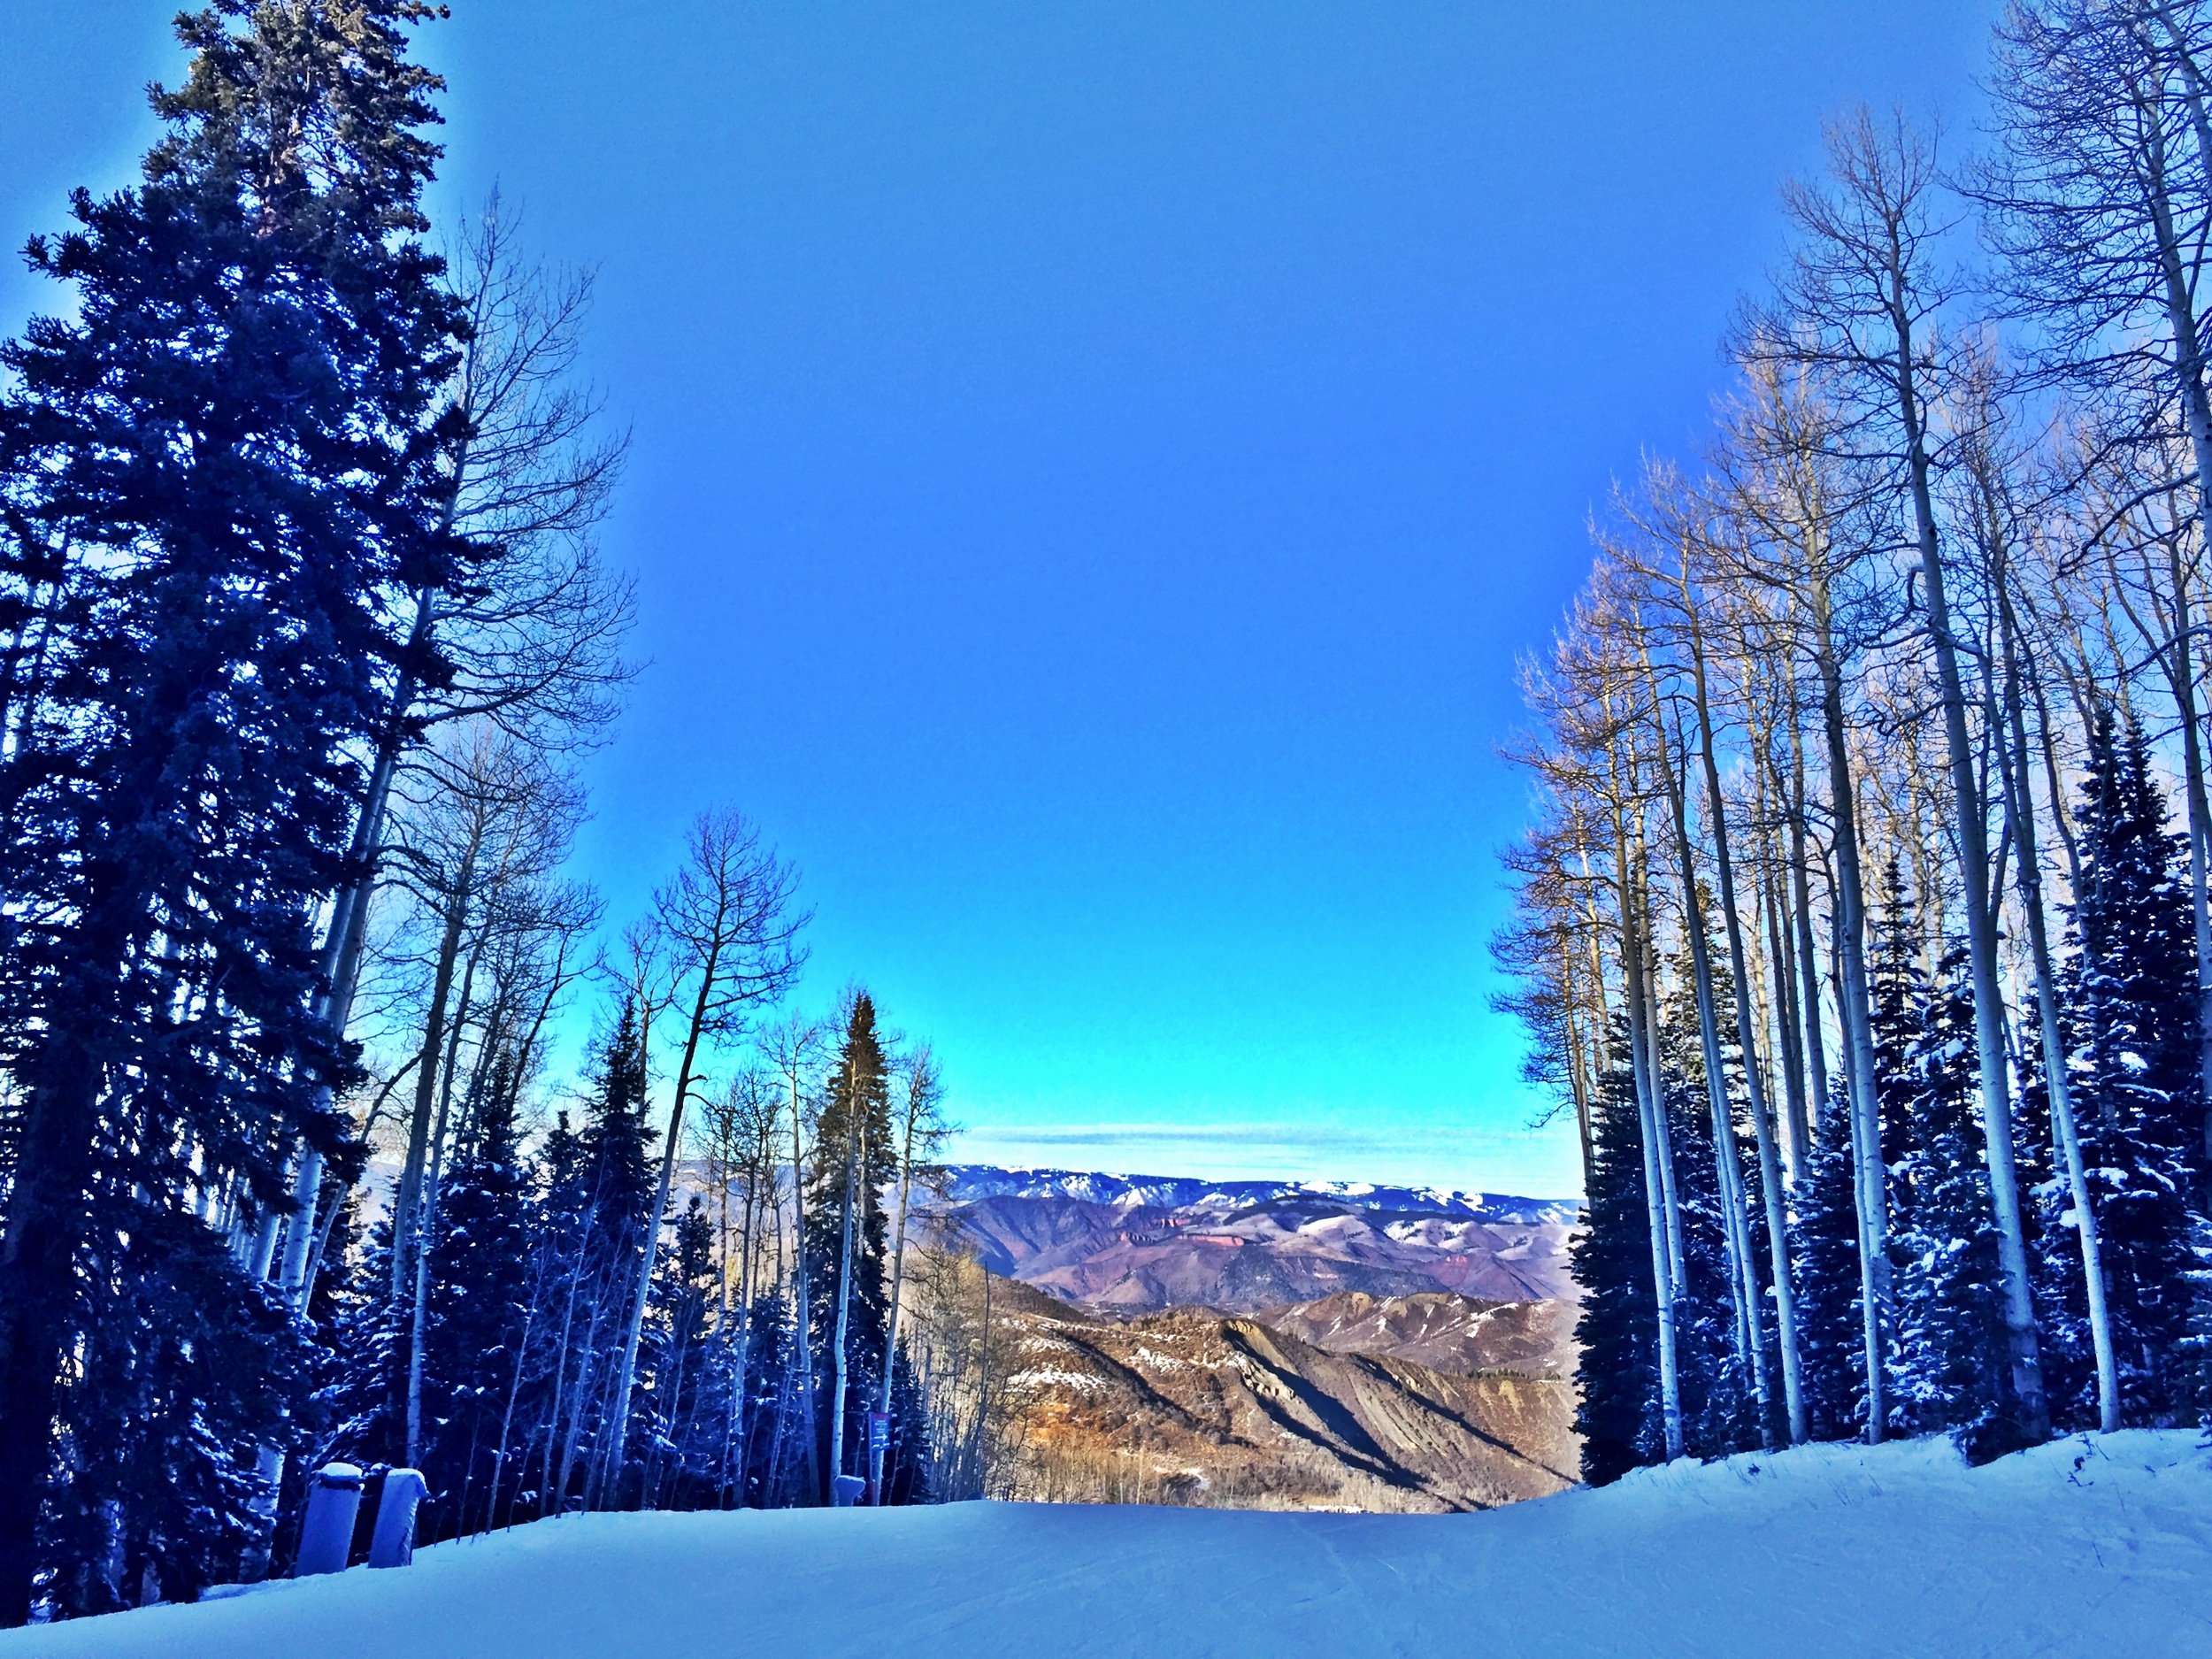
2100	1548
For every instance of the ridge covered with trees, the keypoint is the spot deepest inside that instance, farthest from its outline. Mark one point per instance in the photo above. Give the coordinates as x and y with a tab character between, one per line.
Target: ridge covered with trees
1863	927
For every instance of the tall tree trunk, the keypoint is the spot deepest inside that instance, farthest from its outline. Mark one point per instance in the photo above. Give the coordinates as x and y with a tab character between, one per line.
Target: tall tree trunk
2020	806
409	1190
1770	1166
2186	334
1808	952
427	1219
1736	1234
1852	998
1648	1108
1789	1028
1981	922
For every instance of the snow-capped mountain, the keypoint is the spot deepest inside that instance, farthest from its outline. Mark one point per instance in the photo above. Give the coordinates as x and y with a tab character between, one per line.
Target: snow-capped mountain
1138	1243
968	1182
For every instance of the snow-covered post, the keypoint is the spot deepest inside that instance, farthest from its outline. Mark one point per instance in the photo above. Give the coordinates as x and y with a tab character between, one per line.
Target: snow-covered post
394	1543
333	1503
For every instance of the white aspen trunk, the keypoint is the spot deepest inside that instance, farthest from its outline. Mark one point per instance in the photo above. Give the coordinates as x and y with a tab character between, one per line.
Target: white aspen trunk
1808	952
739	1363
408	1195
1851	996
426	1222
2020	806
1770	1166
1735	1234
1972	828
1647	1109
1775	913
1677	1256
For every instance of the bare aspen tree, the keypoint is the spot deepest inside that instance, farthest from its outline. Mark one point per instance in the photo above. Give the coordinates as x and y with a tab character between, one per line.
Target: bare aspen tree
1862	297
2097	196
729	917
531	644
1693	606
1778	462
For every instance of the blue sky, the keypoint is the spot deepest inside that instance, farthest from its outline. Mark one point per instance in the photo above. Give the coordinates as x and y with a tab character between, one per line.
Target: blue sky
1095	467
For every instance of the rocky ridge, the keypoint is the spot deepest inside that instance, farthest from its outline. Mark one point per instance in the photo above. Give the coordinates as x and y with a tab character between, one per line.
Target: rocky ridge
1195	1406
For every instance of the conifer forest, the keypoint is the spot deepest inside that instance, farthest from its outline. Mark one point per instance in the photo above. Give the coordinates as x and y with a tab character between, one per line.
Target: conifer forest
1862	925
305	630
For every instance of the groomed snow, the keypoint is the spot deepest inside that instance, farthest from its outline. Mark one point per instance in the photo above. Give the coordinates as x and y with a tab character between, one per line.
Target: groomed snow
2102	1548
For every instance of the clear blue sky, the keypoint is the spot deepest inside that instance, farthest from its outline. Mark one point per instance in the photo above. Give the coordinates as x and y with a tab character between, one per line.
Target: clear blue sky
1094	468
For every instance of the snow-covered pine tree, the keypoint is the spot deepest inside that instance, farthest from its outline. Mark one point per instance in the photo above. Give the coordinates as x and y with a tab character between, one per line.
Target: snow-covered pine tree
477	1311
1897	1008
1825	1256
1618	1416
676	1437
1950	1364
184	1369
2132	990
1719	1408
220	649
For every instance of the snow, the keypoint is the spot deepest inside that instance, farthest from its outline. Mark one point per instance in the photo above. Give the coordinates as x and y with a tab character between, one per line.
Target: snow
2080	1548
968	1182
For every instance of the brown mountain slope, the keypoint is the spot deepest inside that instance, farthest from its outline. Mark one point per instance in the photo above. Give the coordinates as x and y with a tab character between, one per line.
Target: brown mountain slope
1457	1335
1188	1406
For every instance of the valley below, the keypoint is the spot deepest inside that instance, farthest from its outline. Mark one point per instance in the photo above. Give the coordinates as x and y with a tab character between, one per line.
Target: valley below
1257	1346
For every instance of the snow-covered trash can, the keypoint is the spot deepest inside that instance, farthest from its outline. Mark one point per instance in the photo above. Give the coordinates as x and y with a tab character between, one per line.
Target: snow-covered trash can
394	1542
845	1490
334	1505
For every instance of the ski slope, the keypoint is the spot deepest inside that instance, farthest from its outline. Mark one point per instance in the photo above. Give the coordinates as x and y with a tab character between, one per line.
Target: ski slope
2102	1548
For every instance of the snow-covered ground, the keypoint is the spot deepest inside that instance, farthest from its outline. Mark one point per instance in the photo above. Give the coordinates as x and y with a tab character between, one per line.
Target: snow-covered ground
2097	1549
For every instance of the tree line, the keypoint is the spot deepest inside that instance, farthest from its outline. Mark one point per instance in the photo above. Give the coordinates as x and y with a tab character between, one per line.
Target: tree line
302	629
1862	925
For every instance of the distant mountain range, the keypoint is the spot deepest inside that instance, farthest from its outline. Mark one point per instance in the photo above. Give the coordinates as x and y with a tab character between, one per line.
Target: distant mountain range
968	1182
1138	1243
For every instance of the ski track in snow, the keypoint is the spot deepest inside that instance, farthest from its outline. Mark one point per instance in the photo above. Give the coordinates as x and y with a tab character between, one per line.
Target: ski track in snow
2075	1548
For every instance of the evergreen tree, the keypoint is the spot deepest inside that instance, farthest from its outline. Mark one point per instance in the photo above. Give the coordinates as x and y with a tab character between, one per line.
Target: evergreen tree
1719	1407
2131	989
476	1308
600	1182
1825	1257
1896	1013
856	1161
1616	1333
187	1367
224	456
683	1373
1949	1372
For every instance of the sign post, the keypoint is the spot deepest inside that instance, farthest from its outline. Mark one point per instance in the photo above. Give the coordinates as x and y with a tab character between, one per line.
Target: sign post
878	1442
